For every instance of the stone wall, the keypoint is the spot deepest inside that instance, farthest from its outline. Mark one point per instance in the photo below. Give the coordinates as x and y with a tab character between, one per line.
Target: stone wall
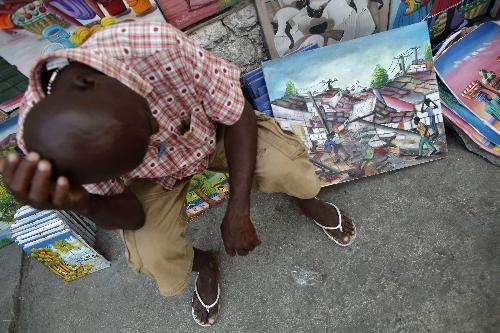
236	37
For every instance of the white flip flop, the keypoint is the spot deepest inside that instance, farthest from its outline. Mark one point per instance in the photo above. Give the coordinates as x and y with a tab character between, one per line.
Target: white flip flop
339	226
207	307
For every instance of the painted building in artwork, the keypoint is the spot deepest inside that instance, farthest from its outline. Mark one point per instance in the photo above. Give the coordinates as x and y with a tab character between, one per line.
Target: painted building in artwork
380	115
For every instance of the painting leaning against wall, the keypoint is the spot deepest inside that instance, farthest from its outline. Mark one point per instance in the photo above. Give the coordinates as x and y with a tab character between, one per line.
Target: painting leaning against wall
291	24
363	107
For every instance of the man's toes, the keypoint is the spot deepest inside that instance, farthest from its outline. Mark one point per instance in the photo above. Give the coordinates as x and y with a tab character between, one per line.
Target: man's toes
340	236
200	312
348	228
212	316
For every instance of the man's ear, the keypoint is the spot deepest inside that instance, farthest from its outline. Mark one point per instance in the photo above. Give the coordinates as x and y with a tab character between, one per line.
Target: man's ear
84	81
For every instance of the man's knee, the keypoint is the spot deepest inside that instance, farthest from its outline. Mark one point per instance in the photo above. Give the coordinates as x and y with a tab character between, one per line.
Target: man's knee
296	178
167	261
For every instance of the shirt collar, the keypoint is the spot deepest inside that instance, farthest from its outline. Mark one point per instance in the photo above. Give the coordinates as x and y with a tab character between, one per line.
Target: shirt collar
97	60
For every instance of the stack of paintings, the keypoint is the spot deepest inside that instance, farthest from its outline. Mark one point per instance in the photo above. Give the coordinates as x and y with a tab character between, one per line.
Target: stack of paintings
470	72
62	241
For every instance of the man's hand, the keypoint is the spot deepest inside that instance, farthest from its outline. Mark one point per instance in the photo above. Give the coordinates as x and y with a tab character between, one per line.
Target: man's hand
29	180
238	232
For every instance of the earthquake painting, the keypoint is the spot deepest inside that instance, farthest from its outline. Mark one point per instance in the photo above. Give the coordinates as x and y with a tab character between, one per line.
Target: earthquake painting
291	24
362	107
471	69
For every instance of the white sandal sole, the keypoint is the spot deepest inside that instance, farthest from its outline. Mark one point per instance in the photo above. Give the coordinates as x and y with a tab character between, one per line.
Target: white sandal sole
339	226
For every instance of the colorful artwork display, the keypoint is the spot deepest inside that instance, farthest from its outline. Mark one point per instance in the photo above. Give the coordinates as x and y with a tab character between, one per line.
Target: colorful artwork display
443	16
61	24
35	17
61	241
289	25
471	68
206	189
183	13
363	107
8	204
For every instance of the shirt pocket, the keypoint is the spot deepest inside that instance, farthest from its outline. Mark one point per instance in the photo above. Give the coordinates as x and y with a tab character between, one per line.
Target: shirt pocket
286	142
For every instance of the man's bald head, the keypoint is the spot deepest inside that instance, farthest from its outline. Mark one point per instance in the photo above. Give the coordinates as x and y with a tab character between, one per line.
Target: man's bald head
91	128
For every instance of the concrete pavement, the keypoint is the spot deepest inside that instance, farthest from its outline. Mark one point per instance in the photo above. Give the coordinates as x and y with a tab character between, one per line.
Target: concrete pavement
425	259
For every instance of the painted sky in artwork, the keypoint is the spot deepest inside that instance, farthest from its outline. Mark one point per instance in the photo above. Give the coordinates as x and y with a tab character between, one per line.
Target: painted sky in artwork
461	63
348	62
8	126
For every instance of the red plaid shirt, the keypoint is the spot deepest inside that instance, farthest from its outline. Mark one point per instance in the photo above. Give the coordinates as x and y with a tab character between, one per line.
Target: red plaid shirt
188	90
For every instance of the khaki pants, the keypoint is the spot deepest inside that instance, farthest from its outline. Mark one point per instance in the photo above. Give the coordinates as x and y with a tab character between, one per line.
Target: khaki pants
160	249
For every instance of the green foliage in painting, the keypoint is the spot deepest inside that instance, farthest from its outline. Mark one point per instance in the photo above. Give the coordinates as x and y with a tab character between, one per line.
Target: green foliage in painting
8	204
290	90
63	246
223	4
379	76
428	52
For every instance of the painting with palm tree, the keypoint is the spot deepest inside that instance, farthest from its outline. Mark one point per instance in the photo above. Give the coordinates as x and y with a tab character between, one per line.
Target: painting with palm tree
206	189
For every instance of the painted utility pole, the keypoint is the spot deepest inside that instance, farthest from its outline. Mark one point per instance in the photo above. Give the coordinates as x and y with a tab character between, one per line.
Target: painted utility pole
321	112
402	66
329	83
415	48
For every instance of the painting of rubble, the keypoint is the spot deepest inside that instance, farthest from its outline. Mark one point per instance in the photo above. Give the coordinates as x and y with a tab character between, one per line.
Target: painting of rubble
362	107
291	24
471	70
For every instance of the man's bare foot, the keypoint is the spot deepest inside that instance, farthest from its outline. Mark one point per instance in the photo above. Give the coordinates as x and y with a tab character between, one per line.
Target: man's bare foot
326	215
207	264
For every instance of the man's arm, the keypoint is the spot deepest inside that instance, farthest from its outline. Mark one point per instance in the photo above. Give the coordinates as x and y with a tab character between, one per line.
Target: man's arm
240	144
30	181
122	211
